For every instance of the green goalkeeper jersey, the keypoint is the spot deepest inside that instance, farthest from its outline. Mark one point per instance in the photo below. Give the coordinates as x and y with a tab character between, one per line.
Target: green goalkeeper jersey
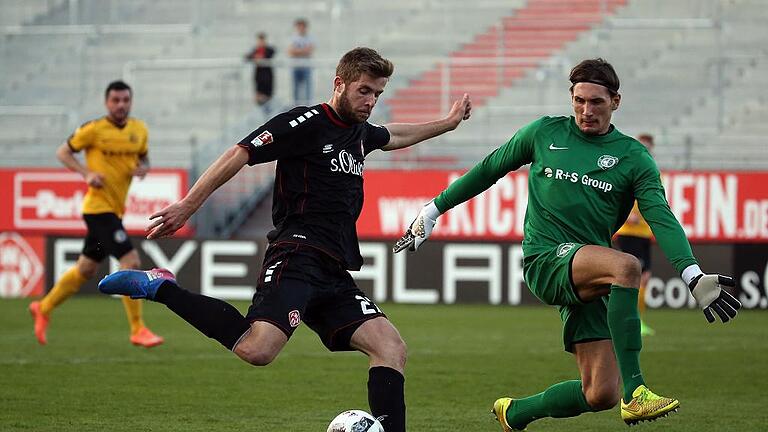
580	187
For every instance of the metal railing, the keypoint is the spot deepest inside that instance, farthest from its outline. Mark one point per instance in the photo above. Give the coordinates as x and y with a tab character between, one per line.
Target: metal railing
222	86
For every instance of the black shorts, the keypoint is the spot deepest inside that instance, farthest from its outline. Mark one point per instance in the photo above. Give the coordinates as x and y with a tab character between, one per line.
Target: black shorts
299	283
106	236
640	247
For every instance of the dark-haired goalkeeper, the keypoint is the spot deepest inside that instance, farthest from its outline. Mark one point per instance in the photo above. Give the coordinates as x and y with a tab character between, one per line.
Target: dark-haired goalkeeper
583	180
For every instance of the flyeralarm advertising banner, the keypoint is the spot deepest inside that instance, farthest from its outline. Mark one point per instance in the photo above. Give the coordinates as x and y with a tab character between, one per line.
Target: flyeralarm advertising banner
711	206
459	272
50	200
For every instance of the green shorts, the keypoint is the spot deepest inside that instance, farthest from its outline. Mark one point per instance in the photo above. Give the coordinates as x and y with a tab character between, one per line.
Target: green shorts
548	275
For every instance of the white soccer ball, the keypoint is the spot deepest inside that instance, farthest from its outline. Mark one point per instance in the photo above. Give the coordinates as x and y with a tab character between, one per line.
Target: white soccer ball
355	421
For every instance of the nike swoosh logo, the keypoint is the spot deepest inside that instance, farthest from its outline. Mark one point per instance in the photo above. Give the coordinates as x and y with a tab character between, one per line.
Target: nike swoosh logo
636	375
552	147
633	410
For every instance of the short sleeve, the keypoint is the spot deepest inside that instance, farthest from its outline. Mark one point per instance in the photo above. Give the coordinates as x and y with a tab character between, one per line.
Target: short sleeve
288	134
377	136
82	137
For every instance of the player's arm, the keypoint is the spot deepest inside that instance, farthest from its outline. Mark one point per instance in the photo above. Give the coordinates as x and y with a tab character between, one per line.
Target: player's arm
170	219
143	167
67	157
273	140
707	289
404	135
517	152
79	140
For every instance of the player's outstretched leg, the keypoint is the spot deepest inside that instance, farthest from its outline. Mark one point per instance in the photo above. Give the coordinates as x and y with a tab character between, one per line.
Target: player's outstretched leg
564	399
499	410
214	318
646	405
136	284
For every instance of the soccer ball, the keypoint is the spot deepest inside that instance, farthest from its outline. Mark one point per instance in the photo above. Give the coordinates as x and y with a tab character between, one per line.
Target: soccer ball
355	421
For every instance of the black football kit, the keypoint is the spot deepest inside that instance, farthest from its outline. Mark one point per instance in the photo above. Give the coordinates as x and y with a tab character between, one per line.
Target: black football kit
318	192
318	196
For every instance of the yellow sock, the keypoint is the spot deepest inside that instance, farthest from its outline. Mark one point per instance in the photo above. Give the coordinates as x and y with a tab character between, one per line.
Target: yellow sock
133	312
641	299
69	283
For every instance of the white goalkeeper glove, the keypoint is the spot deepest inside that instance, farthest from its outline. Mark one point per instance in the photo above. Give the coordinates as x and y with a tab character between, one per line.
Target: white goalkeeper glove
420	229
708	291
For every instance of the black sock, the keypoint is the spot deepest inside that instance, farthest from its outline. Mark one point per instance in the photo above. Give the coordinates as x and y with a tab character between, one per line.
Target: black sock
386	396
214	318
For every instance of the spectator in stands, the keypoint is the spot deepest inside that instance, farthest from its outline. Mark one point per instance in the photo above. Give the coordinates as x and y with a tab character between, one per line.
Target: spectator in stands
634	237
262	71
301	49
115	151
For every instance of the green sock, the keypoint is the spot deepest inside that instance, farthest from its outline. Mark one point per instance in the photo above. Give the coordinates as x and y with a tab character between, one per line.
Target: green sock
624	323
563	399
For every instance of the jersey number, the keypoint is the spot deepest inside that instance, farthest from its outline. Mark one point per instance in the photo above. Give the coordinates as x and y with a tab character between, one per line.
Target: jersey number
367	306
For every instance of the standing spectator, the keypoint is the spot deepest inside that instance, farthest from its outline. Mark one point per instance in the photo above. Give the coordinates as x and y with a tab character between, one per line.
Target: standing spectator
302	46
262	71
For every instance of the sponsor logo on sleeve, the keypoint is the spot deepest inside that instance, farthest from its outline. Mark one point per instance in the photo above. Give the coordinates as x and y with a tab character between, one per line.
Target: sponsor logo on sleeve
263	138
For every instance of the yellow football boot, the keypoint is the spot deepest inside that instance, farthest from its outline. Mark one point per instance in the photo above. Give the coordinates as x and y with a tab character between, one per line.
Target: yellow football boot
499	410
646	405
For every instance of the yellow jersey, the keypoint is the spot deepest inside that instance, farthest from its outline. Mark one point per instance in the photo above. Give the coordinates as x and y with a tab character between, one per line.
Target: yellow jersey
635	229
113	152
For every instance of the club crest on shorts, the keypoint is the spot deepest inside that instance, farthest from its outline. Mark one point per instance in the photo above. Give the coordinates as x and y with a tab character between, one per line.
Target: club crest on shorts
294	318
607	162
564	248
120	236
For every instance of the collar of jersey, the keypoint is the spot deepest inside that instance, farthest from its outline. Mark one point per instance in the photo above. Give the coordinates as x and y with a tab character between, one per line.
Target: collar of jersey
115	124
612	135
335	119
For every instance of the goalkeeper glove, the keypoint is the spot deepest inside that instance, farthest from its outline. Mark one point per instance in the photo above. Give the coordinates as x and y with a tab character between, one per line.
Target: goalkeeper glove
708	291
420	229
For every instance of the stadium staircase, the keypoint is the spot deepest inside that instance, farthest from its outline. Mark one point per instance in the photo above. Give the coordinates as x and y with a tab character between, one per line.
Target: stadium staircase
523	41
673	86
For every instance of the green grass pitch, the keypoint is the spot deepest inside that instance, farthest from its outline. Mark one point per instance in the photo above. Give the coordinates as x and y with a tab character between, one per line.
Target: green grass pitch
461	358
